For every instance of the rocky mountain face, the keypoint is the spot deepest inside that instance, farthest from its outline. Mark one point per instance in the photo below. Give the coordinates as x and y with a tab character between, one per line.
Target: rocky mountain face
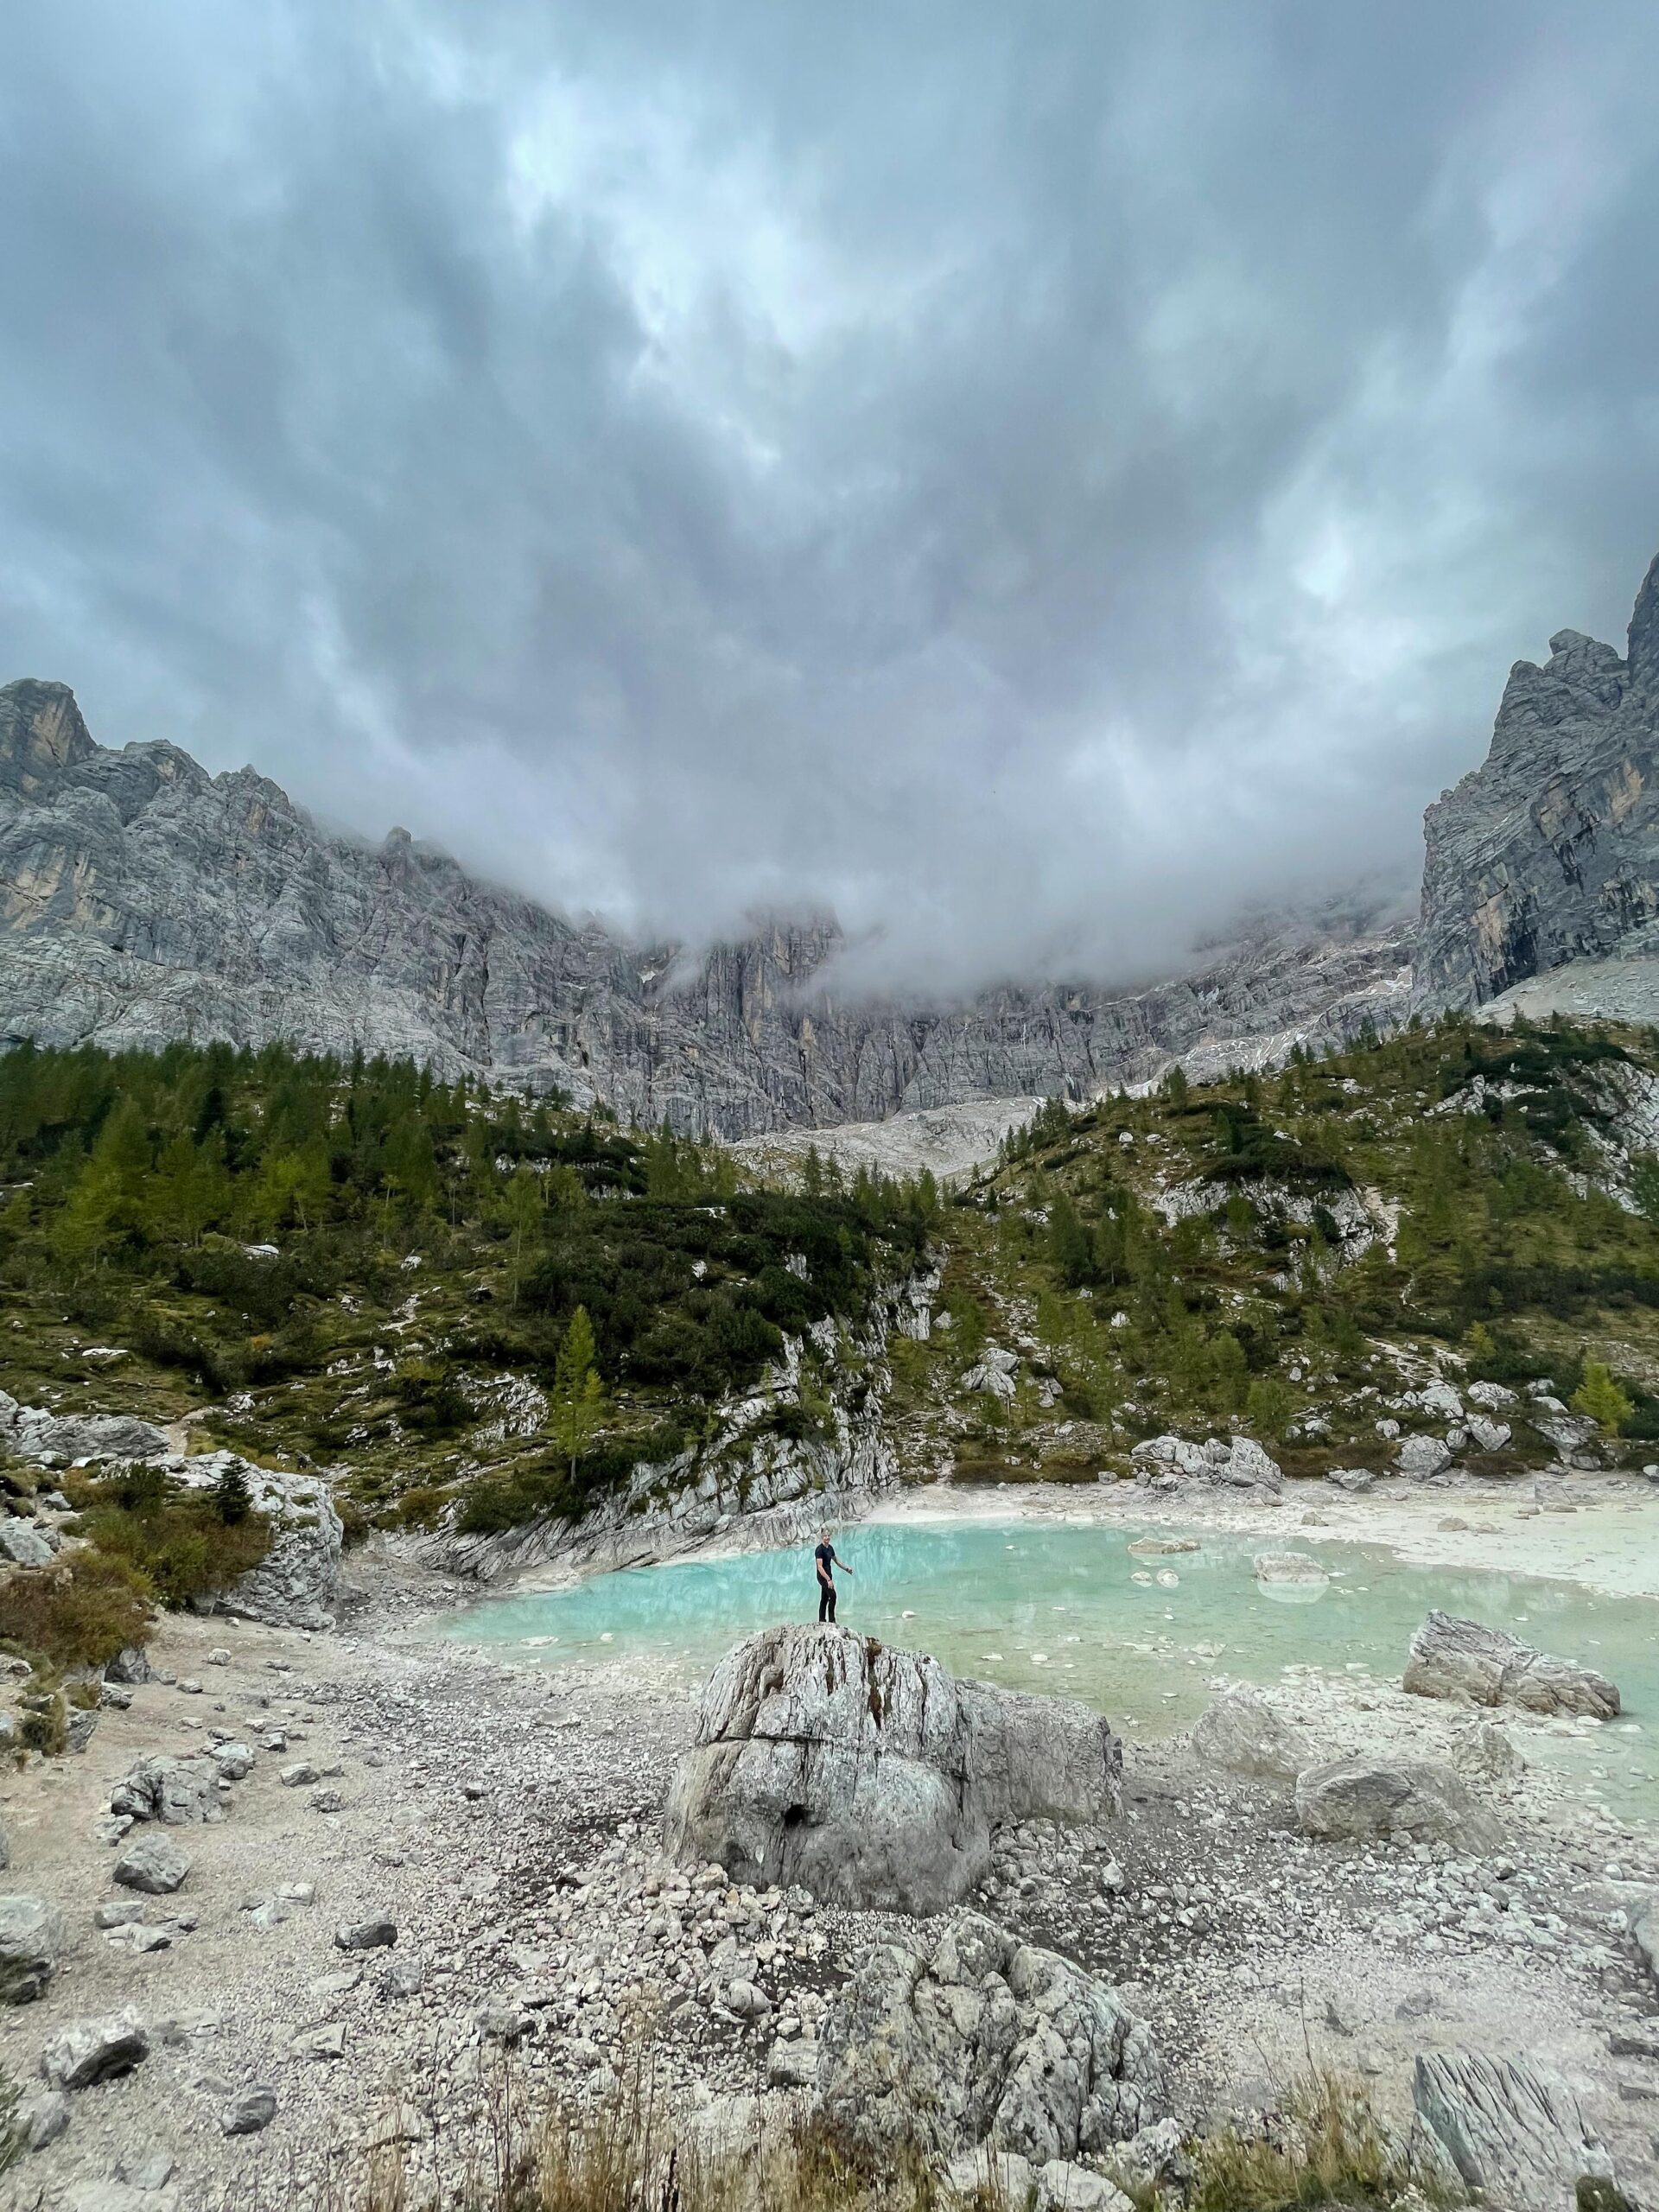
142	899
1549	853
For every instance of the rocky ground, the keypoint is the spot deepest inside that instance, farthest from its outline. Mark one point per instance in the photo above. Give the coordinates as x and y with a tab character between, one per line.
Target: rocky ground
504	1822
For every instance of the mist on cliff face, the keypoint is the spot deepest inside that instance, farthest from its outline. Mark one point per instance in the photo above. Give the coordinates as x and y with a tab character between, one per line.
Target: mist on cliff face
1032	481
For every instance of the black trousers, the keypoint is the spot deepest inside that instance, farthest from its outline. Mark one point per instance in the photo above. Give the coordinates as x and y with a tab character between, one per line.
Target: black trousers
826	1601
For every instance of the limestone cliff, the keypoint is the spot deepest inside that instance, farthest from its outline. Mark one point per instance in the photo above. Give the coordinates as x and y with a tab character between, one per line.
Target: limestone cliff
1549	854
142	899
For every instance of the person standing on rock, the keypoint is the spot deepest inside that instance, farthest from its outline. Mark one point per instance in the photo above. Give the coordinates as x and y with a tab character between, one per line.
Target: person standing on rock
826	1562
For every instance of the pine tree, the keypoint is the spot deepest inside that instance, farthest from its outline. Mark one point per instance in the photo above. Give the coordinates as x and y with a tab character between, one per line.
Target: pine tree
233	1498
1600	1397
578	1393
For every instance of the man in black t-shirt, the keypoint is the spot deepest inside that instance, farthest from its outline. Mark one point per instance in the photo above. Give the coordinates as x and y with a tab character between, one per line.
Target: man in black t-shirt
826	1562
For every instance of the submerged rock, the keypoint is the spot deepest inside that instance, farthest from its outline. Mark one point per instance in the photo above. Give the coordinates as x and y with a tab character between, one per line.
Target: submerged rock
872	1776
1294	1569
979	2039
1456	1658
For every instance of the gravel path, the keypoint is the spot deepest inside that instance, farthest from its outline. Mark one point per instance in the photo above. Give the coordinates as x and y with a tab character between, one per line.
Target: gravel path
504	1821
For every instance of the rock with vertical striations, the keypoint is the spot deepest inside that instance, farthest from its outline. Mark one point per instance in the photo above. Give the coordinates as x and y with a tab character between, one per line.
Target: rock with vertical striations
872	1776
1512	2130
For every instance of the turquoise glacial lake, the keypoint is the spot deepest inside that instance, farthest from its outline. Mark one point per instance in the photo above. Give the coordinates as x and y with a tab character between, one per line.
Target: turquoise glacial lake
1071	1611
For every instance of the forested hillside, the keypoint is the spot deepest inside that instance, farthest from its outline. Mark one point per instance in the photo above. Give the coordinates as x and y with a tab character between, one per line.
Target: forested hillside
1290	1253
442	1290
457	1301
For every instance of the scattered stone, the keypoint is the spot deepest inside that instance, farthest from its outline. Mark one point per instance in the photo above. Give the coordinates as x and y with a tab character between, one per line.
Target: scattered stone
85	2051
153	1863
300	1776
249	2111
1350	1478
404	1977
150	2166
1422	1456
42	2119
1241	1731
365	1935
33	1936
502	2023
174	1791
792	2065
329	2042
21	1544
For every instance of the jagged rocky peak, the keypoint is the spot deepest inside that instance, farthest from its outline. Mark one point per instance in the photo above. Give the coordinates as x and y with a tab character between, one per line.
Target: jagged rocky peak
1549	853
42	733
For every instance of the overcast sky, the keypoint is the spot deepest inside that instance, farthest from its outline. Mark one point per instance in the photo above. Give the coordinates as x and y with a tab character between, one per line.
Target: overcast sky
1030	477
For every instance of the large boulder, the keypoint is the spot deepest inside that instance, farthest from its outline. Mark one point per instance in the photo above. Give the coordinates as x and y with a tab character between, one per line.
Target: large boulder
1231	1462
974	2037
1365	1799
154	1863
296	1585
33	1936
1240	1732
175	1791
873	1778
1423	1457
32	1433
1455	1658
85	2051
21	1544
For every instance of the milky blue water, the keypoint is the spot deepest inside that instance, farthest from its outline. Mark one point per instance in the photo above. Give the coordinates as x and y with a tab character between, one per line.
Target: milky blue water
1072	1610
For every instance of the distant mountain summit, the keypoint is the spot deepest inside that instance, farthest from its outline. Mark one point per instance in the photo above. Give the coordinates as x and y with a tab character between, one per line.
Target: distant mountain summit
144	899
1549	853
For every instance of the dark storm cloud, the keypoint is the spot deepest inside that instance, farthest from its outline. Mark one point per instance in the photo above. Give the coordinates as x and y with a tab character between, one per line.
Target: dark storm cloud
1032	480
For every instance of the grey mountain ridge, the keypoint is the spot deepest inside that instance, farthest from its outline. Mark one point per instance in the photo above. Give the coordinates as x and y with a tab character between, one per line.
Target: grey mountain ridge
1549	853
144	900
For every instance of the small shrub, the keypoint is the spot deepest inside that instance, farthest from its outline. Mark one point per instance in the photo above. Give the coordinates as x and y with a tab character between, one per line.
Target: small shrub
1331	2149
45	1725
81	1610
176	1537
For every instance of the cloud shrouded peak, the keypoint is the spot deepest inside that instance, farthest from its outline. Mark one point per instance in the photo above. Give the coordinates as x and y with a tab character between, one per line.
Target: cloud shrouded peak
1030	481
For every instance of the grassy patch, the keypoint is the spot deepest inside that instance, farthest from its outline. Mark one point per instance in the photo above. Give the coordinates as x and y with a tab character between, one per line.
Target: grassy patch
80	1612
180	1541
